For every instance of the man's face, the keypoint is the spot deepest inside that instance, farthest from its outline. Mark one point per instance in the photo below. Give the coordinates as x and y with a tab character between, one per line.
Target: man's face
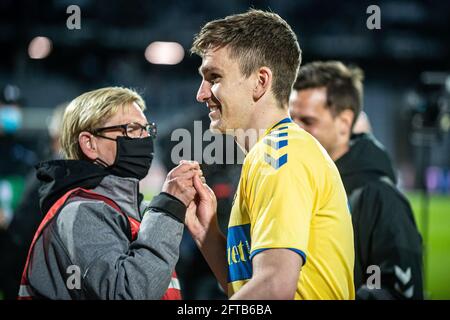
106	149
226	91
308	109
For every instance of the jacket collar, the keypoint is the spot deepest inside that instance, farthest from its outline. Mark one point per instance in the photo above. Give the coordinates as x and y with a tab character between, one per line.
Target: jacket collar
59	176
124	191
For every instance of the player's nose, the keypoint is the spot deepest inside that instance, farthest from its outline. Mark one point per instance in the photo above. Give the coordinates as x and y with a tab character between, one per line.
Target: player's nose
204	92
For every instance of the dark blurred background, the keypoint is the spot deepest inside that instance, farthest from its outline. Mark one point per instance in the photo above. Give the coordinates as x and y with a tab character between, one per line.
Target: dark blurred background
407	90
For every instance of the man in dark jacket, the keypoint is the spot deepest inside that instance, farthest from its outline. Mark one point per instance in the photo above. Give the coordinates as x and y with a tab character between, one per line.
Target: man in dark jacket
99	238
326	101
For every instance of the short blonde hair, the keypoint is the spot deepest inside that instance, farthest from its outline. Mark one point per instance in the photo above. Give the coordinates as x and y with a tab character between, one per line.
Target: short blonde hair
90	111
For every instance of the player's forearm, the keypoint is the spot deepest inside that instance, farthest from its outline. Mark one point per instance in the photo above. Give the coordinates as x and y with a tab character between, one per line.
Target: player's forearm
214	250
254	290
264	288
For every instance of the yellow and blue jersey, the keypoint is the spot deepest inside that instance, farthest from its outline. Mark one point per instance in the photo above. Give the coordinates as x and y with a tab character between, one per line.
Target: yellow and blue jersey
291	196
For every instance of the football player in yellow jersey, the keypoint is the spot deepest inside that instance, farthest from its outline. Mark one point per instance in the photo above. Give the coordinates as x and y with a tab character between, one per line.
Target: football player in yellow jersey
290	233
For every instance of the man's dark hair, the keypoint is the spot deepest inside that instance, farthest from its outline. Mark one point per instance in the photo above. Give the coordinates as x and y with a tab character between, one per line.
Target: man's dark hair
343	84
256	39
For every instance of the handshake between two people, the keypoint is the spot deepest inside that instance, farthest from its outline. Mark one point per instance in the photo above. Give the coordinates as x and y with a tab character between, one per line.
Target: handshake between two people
187	184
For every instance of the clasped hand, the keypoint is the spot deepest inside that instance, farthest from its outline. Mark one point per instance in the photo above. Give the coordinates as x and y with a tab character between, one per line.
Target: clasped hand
186	183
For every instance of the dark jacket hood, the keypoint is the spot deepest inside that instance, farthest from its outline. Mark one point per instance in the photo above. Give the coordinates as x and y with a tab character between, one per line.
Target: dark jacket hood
365	161
56	177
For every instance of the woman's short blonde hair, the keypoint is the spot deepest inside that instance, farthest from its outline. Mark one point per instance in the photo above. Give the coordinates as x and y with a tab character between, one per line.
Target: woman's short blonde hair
90	111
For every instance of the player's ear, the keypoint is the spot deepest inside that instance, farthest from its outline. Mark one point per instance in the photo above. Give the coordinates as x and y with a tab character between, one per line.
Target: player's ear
346	119
88	145
263	82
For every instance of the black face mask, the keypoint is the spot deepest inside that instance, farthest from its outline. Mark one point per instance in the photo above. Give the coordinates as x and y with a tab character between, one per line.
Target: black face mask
133	157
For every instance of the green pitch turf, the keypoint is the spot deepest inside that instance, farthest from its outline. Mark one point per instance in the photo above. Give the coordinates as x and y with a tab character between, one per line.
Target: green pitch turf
437	277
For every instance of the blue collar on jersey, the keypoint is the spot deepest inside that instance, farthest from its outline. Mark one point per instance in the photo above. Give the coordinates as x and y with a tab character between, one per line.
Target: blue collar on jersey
285	120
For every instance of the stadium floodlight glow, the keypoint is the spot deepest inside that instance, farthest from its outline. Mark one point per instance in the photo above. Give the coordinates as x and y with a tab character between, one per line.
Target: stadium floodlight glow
160	52
39	48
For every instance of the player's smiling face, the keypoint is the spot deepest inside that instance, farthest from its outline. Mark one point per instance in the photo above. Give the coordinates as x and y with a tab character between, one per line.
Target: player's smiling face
225	90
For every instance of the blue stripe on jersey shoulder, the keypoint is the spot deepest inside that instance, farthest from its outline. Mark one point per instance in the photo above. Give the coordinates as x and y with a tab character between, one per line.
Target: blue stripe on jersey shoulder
276	163
276	144
281	134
